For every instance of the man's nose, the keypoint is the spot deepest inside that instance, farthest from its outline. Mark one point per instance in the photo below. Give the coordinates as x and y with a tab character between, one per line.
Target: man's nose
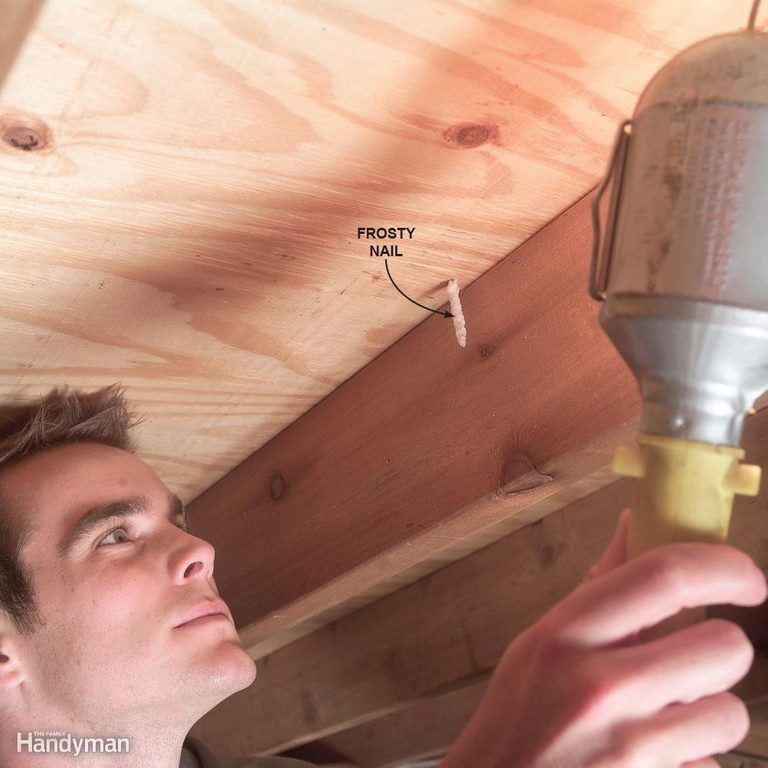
194	560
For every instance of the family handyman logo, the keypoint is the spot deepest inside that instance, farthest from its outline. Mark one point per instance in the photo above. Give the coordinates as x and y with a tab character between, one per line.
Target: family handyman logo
55	742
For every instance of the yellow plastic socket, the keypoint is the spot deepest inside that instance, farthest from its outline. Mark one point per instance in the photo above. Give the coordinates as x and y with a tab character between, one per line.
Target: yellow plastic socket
683	489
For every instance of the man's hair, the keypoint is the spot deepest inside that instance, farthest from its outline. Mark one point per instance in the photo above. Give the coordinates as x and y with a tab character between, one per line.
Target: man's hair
25	429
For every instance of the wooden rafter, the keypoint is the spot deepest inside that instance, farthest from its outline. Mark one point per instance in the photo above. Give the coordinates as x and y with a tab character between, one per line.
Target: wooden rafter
429	445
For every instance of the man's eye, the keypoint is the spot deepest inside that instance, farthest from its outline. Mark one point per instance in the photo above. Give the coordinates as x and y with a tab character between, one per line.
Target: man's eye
123	531
120	529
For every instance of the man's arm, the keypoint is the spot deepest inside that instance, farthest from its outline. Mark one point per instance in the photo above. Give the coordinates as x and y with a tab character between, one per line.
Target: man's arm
579	690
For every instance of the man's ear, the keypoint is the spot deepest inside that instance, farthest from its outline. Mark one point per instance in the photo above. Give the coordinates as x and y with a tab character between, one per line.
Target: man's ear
11	672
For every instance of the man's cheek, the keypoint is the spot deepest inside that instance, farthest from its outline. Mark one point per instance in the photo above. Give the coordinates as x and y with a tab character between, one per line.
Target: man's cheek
124	619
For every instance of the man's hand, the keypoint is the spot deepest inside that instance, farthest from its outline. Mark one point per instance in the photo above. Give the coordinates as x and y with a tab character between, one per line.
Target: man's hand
579	690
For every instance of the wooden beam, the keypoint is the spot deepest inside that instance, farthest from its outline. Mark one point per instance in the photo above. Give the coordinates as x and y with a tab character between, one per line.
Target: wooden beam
322	754
425	729
429	444
742	760
16	19
445	631
756	743
429	727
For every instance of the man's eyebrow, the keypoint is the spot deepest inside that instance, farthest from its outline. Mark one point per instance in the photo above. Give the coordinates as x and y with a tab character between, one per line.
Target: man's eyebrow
131	505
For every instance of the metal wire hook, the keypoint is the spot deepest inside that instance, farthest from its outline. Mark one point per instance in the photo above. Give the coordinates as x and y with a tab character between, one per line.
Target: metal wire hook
598	273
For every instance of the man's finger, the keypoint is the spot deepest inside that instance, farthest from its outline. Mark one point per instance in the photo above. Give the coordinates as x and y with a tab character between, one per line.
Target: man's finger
701	660
653	587
687	732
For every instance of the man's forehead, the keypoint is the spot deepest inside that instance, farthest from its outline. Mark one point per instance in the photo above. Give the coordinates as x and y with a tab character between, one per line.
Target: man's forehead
70	458
49	489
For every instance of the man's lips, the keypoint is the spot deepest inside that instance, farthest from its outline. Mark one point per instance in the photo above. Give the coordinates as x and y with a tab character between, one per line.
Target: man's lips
206	608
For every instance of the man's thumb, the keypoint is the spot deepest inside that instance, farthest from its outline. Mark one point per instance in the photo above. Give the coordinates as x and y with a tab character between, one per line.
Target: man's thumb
616	552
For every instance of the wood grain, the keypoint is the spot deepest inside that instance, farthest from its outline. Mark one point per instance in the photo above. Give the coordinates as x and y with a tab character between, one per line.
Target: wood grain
186	223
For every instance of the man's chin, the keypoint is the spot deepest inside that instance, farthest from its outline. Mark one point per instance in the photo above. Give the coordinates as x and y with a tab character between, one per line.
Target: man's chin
219	672
233	669
217	683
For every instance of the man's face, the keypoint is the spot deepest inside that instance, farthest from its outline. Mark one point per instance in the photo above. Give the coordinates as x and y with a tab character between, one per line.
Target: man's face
109	651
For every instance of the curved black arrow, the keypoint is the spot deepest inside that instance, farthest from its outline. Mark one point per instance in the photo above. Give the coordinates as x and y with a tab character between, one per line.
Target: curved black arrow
429	309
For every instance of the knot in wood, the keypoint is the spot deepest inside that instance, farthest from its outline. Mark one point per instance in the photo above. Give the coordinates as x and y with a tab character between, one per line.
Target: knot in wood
520	475
469	135
277	486
25	133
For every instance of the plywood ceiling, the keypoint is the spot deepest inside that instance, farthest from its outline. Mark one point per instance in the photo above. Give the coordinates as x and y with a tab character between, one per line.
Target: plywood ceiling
181	215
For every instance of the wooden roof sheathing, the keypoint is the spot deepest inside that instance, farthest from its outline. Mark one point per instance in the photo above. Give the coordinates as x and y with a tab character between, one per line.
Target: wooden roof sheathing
185	217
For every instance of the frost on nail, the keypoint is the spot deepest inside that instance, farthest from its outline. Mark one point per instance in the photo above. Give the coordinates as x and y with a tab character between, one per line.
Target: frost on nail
457	312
